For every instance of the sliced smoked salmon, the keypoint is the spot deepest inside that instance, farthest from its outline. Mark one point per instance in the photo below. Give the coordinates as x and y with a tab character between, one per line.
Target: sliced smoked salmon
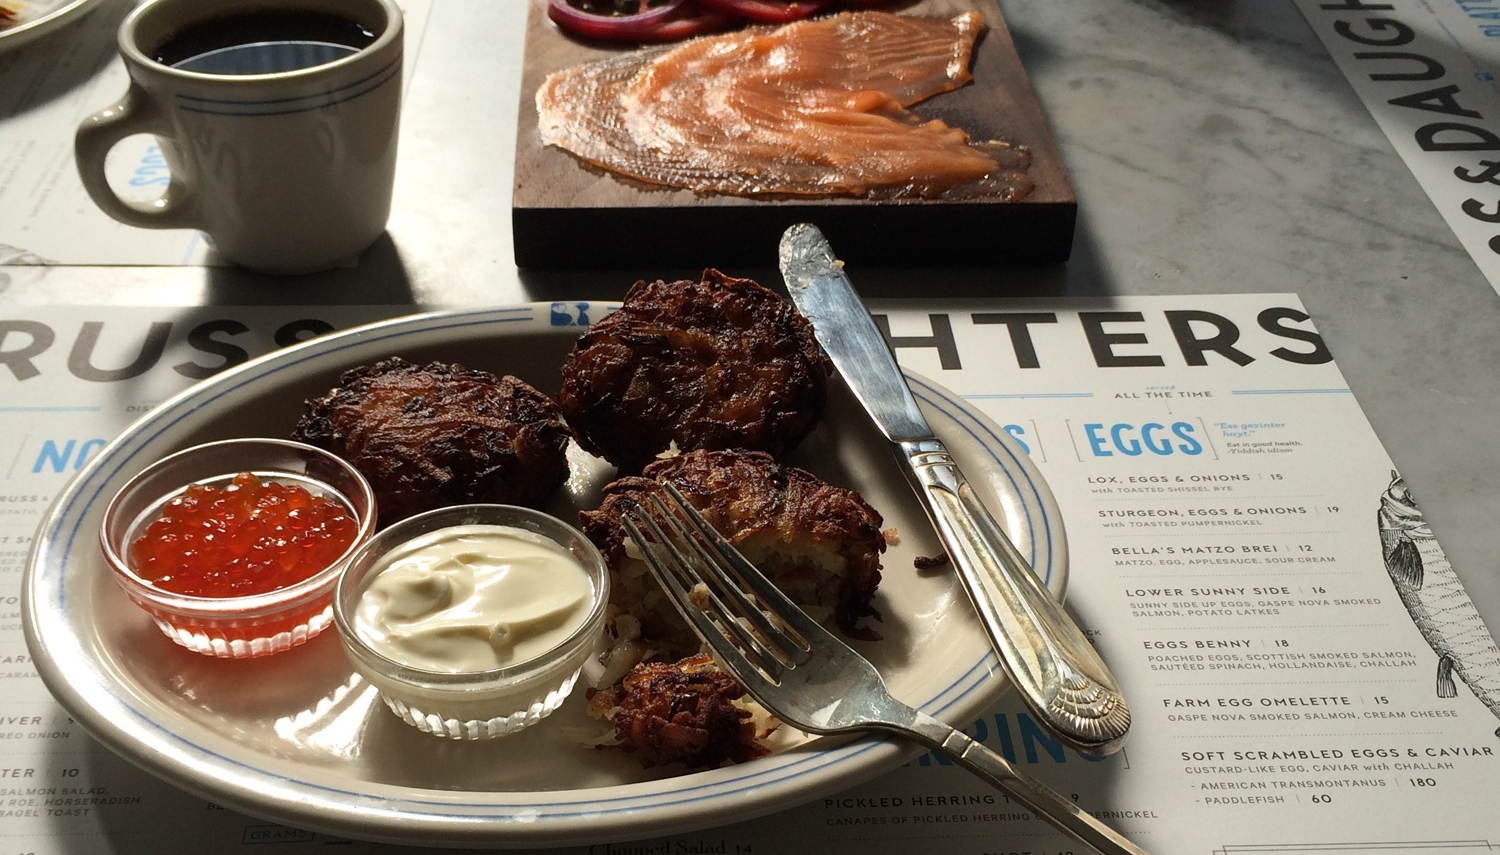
814	107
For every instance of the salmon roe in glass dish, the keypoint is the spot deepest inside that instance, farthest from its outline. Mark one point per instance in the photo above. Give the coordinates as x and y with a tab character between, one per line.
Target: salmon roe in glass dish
250	537
233	547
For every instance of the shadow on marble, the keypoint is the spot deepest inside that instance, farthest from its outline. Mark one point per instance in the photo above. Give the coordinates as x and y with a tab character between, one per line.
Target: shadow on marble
48	78
1242	21
380	279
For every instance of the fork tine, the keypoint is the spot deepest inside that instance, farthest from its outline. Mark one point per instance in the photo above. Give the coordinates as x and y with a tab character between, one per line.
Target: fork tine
792	648
750	577
713	633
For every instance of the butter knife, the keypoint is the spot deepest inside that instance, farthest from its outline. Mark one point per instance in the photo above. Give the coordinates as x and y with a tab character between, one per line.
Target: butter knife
1058	673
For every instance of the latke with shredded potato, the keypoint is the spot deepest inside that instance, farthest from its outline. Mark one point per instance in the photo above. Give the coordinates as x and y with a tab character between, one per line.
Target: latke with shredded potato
715	364
441	434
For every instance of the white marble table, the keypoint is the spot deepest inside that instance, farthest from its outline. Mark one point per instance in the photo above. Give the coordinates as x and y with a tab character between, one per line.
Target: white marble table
1214	148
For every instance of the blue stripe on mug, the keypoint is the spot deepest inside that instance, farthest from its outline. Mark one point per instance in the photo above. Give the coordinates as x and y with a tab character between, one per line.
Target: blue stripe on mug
324	94
308	108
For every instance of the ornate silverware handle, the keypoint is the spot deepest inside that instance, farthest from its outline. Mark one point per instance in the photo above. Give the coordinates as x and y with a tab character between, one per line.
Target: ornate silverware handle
1055	668
1053	665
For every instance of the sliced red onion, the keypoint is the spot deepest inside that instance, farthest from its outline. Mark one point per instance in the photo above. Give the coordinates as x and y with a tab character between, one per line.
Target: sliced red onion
613	27
768	11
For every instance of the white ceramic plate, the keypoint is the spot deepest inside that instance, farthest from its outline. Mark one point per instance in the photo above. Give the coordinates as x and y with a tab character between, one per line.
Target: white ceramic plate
38	17
295	738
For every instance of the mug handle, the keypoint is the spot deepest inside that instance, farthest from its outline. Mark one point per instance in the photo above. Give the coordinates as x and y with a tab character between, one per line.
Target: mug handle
134	114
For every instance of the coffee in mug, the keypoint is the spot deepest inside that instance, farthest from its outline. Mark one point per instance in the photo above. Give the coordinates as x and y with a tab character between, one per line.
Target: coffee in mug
277	118
264	41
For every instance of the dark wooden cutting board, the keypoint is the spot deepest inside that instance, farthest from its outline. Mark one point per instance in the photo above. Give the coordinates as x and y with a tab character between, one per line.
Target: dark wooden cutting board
568	214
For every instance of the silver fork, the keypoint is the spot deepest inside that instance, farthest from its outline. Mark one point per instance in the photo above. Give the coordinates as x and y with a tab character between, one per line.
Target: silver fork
803	674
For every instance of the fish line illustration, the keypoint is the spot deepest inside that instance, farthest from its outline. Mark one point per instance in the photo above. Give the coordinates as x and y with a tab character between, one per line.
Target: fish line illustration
1436	599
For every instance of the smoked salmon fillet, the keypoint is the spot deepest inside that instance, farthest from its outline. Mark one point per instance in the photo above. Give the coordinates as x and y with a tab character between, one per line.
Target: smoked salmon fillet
817	107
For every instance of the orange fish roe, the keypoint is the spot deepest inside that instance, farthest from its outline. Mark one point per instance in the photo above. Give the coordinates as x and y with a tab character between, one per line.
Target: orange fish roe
251	537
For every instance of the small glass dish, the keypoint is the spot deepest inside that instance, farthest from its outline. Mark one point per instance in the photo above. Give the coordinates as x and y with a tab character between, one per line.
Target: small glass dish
236	627
471	704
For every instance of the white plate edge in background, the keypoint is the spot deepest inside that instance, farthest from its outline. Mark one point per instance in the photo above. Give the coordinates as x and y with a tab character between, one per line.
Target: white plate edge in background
65	14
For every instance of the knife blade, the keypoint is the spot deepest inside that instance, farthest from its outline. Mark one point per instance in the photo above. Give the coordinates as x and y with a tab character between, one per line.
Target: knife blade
1054	667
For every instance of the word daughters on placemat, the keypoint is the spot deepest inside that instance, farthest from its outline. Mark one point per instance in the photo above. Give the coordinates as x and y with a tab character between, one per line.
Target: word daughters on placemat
1112	337
1432	92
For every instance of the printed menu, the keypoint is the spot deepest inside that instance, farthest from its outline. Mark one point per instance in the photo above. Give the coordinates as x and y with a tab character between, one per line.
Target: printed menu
1305	669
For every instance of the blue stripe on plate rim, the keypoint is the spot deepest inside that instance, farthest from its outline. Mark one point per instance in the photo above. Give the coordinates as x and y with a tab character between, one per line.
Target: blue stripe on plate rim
775	769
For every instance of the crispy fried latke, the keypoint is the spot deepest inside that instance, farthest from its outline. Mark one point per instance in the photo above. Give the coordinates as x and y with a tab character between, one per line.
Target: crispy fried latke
716	364
440	434
818	543
680	712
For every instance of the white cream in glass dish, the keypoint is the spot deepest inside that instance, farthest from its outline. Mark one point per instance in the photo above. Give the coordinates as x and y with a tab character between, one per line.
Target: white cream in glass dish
473	621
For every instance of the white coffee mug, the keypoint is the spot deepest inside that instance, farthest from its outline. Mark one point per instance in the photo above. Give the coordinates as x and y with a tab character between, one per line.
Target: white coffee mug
286	172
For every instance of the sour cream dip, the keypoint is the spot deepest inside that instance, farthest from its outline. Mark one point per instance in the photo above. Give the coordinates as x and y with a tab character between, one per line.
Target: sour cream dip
473	598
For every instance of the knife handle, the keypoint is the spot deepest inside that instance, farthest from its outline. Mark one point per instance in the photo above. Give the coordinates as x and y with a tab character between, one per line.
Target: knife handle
1048	658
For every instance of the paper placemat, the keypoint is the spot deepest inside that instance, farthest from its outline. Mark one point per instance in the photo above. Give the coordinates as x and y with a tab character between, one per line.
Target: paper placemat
1240	553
